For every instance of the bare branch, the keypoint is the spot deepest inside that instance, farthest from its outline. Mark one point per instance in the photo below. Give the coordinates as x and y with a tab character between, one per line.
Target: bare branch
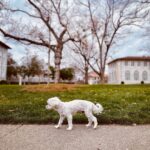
43	19
22	38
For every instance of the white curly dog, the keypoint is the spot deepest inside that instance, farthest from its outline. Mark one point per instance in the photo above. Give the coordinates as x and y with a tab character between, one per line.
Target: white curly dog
68	109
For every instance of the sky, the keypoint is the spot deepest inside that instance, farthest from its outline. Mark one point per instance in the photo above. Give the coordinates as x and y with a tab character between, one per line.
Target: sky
133	45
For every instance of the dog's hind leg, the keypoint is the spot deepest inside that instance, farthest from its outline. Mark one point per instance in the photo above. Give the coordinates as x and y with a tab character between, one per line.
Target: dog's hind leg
60	121
92	118
70	126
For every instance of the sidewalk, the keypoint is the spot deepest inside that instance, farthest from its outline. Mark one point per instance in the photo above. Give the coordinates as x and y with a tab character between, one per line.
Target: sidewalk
46	137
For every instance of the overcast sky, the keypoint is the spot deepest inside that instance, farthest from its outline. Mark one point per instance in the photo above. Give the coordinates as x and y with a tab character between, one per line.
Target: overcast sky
133	45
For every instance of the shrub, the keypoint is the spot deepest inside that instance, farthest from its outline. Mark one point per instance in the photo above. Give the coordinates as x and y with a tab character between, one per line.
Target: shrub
3	82
122	82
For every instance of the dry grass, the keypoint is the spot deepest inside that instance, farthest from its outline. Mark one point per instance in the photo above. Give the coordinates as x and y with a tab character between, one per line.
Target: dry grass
51	87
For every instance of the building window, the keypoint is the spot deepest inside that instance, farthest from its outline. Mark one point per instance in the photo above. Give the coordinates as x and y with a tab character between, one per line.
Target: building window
112	76
127	75
145	63
132	63
139	63
144	75
126	63
136	75
115	76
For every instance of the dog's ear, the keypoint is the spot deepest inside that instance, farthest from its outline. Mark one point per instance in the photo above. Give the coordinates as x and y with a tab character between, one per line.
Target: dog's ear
56	106
57	98
56	103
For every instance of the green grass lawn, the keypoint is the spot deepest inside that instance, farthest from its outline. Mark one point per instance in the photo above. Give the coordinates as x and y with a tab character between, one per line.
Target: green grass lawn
123	104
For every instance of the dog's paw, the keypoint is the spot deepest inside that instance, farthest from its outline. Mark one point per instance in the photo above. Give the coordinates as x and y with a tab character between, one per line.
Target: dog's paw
69	129
94	127
87	125
57	126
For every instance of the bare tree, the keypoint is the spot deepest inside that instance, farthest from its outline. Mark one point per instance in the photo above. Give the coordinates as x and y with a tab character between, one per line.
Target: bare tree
146	35
108	20
45	17
144	1
85	51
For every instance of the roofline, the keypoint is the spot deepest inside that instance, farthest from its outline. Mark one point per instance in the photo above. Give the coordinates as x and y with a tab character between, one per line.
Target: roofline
5	45
130	58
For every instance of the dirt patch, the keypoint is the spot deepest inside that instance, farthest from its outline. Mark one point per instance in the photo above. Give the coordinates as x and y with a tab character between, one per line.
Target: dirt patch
51	87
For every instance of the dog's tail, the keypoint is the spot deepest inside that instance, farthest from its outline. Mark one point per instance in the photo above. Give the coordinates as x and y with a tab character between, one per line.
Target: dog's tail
97	108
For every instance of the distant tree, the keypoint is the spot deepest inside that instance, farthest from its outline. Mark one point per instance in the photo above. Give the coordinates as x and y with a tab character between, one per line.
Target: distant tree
35	66
11	67
22	70
31	67
67	74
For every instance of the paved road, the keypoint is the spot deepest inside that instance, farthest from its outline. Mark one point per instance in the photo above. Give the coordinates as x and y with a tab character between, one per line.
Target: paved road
46	137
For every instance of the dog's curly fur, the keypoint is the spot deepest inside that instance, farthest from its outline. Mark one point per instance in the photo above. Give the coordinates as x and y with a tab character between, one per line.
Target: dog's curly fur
67	109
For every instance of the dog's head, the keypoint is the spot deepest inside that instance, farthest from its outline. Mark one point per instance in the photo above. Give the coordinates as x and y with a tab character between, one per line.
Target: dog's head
53	103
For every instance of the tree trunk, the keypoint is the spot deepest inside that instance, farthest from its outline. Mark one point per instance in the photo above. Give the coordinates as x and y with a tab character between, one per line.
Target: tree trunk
48	65
102	76
28	79
58	57
86	73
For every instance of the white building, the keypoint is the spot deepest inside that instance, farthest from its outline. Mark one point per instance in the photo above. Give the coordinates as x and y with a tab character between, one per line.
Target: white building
129	70
3	60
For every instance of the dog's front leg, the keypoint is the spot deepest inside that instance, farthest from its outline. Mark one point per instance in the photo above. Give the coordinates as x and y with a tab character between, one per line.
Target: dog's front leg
69	118
61	119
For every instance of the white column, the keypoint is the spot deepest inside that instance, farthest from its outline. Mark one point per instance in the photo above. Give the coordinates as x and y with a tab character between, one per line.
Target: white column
20	80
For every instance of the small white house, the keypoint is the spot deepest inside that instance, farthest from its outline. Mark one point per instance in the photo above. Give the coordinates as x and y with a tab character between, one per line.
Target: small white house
3	60
93	78
129	70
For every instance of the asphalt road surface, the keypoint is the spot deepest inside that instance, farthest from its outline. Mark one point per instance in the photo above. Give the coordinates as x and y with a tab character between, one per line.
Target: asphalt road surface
46	137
